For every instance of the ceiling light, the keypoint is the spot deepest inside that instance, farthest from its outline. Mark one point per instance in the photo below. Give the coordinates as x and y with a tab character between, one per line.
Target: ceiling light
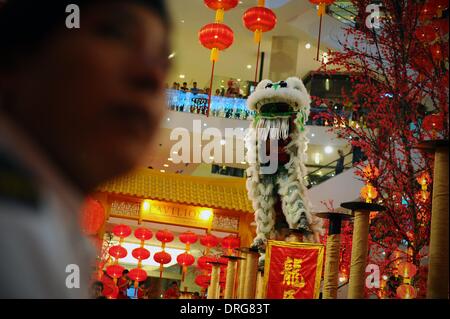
172	55
312	135
249	66
162	171
328	149
170	159
182	76
308	46
166	165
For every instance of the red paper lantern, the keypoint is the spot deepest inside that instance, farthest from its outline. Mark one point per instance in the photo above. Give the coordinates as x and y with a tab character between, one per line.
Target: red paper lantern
137	275
406	292
440	27
164	236
115	271
426	33
216	37
209	241
259	20
230	243
407	269
203	262
185	260
122	231
117	252
436	52
141	253
433	122
162	258
110	291
221	4
188	238
203	281
143	234
92	216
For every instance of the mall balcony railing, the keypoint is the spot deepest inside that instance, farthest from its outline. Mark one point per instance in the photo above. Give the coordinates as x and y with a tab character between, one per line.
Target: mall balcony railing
314	178
233	108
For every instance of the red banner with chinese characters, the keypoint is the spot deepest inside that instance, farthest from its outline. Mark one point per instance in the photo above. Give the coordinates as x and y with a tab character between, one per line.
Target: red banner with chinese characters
293	270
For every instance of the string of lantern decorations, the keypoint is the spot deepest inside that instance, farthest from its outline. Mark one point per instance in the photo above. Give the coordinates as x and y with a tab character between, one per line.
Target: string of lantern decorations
162	257
259	19
217	36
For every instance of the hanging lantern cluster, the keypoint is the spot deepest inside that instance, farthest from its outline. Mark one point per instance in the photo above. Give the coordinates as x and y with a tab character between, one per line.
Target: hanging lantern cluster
259	19
162	257
322	5
117	252
407	270
217	36
138	274
186	259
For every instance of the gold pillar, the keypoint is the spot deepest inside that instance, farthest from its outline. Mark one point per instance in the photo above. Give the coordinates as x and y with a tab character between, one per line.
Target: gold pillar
241	276
331	274
231	279
359	255
260	293
251	273
437	285
214	285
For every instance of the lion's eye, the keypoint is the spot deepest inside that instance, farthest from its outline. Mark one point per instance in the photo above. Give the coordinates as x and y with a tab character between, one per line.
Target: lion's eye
268	86
283	84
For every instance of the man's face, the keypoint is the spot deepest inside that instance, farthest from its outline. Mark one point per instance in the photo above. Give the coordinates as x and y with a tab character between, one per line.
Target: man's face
93	97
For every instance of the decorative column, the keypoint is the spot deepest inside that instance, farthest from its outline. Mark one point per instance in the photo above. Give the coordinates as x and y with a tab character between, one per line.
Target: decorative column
241	275
437	285
251	273
231	277
360	242
260	293
331	275
215	277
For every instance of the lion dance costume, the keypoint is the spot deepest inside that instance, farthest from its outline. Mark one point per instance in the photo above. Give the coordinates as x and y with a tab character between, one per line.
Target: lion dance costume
279	196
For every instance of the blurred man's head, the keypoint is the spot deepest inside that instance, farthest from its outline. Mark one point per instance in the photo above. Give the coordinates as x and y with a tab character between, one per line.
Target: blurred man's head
184	84
91	98
194	84
97	289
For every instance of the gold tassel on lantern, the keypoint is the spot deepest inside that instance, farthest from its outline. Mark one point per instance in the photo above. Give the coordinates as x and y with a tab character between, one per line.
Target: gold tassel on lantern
258	36
322	9
261	3
220	15
214	55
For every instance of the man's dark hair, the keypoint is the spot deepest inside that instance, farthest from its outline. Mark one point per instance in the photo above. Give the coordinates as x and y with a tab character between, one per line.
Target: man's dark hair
97	284
26	24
